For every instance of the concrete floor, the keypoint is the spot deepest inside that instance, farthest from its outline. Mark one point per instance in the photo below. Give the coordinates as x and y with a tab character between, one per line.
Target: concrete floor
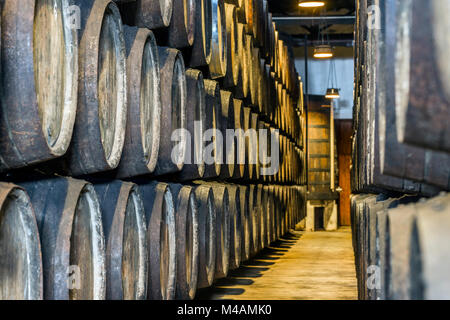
301	266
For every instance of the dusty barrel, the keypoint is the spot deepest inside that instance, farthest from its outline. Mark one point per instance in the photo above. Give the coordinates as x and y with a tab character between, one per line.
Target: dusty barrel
249	6
430	258
123	219
242	87
39	96
254	149
182	30
239	169
153	14
253	220
214	145
232	70
99	132
219	46
194	166
422	73
252	95
235	226
161	240
229	140
222	208
207	235
172	149
21	273
244	195
187	233
142	137
201	48
73	246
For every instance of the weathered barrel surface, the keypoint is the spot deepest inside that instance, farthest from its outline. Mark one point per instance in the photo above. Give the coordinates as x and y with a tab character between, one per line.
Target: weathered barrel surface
207	235
153	14
219	43
172	152
161	238
100	124
143	134
182	31
201	48
187	234
40	72
21	270
194	167
125	230
235	226
71	231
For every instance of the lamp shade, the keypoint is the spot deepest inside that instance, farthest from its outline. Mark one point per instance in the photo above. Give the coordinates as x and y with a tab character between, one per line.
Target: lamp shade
332	93
323	52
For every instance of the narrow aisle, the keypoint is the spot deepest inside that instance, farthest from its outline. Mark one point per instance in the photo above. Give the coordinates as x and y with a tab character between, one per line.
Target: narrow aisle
302	266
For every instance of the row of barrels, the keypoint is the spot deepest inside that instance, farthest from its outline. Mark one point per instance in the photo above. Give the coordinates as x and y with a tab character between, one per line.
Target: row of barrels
401	98
400	247
63	238
109	98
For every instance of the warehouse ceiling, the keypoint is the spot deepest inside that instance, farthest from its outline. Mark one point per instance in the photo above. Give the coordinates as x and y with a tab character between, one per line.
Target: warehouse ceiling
298	22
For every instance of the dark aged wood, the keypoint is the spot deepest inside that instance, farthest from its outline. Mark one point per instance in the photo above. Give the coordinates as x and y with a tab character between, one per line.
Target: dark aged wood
239	169
201	48
253	219
422	72
242	87
213	121
196	114
161	239
173	112
219	42
207	235
187	234
153	14
235	226
227	122
244	195
142	138
232	70
182	30
123	219
70	227
40	79
21	275
99	132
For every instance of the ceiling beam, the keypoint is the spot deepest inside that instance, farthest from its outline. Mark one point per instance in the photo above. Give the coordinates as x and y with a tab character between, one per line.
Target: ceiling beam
308	21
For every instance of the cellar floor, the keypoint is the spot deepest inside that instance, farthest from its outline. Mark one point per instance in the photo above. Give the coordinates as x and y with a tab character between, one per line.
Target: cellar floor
301	266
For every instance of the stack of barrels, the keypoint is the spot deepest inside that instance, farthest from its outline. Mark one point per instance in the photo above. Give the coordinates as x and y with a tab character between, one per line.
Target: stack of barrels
108	192
401	149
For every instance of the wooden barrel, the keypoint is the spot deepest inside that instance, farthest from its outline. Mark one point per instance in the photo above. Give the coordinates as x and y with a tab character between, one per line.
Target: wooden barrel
256	74
21	273
125	230
232	71
182	31
207	235
102	96
248	170
239	170
254	156
235	226
242	87
172	150
201	48
252	85
253	220
153	14
244	195
249	6
187	233
230	147
142	138
39	96
73	245
222	208
422	72
161	240
219	43
194	167
430	258
213	150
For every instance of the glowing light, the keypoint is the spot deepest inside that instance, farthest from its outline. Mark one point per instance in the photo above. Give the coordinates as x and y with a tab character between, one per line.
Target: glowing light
311	4
332	93
323	52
